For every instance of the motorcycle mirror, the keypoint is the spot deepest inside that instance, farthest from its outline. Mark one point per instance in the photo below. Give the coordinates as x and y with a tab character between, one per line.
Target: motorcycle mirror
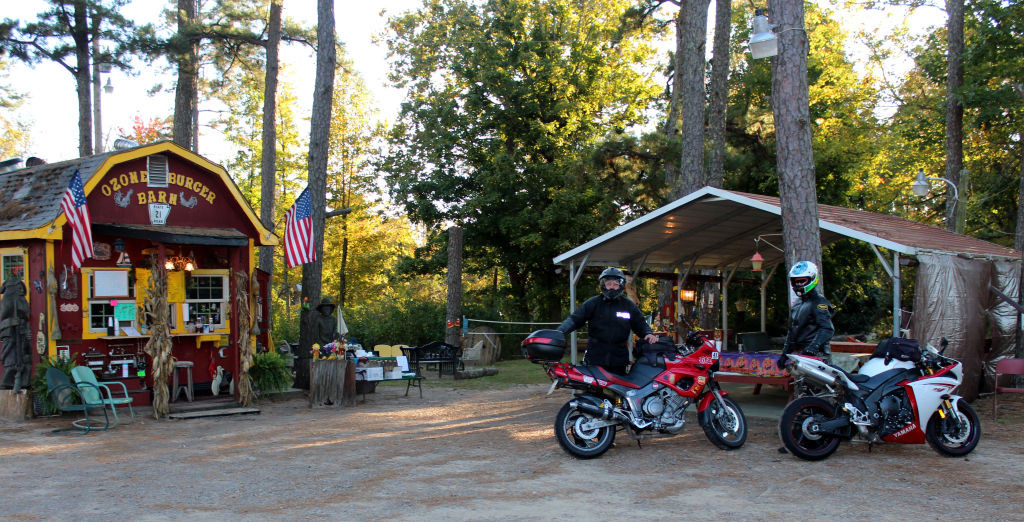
944	343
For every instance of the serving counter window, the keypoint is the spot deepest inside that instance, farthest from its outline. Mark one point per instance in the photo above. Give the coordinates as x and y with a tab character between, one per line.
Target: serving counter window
111	300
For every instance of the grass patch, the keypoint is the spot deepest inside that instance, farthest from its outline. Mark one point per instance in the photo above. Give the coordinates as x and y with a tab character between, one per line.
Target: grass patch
511	373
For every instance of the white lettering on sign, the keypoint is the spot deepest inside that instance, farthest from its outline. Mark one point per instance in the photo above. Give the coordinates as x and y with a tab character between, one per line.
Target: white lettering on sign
622	315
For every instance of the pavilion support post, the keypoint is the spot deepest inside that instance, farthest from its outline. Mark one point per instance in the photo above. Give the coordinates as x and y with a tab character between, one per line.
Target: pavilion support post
897	313
574	277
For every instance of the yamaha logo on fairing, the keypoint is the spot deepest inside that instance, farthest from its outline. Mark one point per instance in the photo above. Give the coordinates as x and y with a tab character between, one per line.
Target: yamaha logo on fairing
904	431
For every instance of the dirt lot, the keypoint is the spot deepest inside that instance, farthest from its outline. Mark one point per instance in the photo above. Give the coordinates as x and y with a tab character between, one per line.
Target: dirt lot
471	455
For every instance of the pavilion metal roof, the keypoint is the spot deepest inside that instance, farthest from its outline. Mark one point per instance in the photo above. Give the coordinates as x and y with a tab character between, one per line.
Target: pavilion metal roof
716	228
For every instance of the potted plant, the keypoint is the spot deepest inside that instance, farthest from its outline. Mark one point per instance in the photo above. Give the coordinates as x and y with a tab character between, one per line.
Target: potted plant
269	372
42	403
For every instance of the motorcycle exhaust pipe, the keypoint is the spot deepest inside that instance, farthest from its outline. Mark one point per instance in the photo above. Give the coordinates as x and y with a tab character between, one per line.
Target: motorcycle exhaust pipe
601	412
819	373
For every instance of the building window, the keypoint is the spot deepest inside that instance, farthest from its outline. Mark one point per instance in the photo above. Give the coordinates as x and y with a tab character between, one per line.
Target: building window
102	313
206	299
13	264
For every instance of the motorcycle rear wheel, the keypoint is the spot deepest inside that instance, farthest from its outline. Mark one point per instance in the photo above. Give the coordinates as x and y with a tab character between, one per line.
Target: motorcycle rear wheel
581	444
954	437
793	424
725	427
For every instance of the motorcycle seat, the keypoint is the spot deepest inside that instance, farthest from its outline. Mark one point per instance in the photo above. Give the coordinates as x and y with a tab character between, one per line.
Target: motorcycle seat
599	372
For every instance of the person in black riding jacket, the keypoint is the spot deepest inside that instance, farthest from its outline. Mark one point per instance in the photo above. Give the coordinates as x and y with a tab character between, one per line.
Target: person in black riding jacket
810	325
611	317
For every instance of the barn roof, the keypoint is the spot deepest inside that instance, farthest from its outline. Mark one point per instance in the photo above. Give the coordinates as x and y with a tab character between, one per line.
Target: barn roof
30	197
717	228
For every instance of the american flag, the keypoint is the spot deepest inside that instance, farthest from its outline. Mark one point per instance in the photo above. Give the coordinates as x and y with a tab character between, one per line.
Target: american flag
298	232
75	209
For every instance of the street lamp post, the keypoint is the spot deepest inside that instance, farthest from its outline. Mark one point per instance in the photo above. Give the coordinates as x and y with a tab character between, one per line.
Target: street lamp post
922	187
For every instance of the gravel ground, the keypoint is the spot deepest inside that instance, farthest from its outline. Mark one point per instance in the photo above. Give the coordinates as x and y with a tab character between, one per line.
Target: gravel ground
472	455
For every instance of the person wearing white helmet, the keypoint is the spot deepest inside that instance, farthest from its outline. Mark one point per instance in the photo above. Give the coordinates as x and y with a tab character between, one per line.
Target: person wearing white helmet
611	317
810	325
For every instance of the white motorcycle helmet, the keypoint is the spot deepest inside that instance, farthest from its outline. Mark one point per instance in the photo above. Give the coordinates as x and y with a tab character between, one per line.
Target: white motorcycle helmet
803	277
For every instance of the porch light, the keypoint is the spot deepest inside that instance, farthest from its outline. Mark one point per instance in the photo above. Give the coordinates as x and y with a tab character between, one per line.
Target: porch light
180	262
687	295
757	261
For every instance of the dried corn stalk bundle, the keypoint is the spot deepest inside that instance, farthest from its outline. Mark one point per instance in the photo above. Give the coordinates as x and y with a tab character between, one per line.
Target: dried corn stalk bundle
245	352
159	346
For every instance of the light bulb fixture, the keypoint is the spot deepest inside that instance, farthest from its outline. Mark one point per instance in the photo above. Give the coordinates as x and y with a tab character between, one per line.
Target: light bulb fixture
181	262
687	295
109	87
763	42
921	187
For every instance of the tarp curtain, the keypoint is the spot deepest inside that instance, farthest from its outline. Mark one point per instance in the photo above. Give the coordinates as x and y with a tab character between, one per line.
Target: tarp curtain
951	301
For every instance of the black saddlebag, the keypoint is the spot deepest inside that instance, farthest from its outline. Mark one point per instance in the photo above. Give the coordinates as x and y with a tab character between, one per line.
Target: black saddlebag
898	348
654	353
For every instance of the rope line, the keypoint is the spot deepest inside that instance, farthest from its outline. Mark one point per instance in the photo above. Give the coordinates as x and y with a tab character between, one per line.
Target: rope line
503	322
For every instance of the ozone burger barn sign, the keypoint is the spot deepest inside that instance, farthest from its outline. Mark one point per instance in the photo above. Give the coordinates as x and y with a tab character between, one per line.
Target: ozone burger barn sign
153	207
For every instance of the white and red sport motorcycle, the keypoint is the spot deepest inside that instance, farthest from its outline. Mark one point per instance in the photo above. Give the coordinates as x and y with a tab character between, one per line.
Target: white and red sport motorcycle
900	396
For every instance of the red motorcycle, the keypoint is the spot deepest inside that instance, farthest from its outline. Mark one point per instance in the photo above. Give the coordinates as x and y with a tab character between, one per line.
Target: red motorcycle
649	401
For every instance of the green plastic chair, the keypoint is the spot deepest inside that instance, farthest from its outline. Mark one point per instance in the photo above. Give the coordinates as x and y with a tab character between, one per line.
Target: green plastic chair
92	391
63	395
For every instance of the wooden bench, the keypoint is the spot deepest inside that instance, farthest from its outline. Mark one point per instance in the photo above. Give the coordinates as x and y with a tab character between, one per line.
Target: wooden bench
444	356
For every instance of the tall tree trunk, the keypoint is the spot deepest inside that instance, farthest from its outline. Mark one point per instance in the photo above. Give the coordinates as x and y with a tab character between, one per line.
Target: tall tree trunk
954	110
97	110
453	310
695	26
1018	238
268	160
80	33
675	97
342	280
186	93
319	137
719	93
794	160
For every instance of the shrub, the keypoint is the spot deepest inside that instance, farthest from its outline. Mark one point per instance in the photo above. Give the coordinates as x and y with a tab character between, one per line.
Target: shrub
269	372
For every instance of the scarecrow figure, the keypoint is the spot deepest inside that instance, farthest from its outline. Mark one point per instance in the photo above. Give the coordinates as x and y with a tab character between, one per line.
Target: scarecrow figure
326	327
14	336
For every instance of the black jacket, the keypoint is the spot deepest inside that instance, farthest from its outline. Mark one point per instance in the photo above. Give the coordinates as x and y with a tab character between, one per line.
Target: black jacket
810	326
610	324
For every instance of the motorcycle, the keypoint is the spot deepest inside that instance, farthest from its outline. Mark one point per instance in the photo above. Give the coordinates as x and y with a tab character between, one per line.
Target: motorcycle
649	401
901	395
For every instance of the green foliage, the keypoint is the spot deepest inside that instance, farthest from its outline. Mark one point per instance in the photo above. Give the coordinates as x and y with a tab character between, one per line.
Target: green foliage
38	382
387	322
506	101
269	373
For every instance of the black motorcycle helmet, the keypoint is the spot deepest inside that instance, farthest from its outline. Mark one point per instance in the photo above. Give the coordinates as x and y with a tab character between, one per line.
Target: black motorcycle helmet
611	274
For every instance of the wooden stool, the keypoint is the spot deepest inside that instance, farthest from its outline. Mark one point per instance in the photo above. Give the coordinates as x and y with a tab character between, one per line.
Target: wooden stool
187	366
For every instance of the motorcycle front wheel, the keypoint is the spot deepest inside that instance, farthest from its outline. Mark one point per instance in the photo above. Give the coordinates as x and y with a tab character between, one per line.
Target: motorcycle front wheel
724	425
794	426
954	436
578	441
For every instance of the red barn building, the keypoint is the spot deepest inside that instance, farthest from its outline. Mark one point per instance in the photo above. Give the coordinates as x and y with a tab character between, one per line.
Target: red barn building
156	205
